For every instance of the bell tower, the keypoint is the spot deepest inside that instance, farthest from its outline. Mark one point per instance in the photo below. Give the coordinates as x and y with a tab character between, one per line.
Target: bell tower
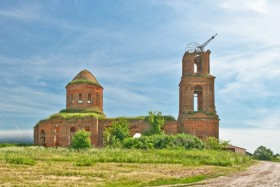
197	111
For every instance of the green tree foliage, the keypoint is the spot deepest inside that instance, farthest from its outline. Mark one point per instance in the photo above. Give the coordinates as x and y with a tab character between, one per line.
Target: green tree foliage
81	140
263	153
163	141
156	121
215	144
115	135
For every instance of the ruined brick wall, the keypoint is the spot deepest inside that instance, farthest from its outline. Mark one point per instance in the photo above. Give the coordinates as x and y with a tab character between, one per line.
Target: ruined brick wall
57	132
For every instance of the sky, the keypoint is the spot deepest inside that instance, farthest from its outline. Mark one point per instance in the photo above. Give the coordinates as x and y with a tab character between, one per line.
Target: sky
134	49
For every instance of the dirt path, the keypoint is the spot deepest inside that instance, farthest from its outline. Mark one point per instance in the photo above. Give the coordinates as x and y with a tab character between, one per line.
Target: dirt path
263	174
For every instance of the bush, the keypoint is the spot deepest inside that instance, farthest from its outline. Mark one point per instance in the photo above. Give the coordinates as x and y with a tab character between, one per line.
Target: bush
263	153
156	121
115	135
81	140
7	145
163	141
216	144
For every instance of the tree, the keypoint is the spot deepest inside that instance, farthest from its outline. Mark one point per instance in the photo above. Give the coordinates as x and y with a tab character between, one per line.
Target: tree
81	140
156	120
263	153
116	134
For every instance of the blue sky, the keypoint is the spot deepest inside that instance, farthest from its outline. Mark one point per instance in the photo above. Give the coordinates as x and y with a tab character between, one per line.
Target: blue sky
134	48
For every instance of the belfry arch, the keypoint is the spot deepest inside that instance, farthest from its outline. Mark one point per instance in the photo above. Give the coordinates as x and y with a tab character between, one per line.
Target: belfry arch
197	111
198	99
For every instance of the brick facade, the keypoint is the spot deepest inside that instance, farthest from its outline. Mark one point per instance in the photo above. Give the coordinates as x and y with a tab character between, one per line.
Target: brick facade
197	113
59	132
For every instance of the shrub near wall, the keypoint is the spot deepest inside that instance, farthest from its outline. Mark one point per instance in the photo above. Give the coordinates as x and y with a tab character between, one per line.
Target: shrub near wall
162	141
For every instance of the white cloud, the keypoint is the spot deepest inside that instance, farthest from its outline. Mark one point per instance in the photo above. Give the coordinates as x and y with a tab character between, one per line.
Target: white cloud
24	12
251	139
267	118
259	6
248	74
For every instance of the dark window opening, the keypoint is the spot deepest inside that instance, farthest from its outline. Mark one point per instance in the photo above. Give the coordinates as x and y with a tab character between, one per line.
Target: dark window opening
80	98
72	130
89	98
87	128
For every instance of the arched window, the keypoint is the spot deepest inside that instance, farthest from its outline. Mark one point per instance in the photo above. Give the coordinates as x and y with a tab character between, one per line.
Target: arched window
197	64
80	98
89	98
197	98
195	68
42	137
72	129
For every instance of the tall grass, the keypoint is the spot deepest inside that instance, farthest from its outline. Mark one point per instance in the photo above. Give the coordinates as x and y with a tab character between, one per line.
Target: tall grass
18	159
185	157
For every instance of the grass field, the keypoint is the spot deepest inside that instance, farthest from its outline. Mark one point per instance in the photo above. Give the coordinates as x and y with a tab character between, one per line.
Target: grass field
39	166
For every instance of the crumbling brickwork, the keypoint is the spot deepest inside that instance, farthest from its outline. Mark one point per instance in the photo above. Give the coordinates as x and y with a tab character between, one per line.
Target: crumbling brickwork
197	112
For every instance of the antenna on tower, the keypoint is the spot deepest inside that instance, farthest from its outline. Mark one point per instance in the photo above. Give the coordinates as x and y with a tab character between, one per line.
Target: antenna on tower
195	47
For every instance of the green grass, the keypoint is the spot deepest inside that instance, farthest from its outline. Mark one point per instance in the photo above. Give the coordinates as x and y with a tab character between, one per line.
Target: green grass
18	159
185	157
41	166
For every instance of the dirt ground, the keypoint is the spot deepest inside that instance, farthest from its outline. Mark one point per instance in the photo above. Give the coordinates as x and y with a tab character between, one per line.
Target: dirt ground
263	174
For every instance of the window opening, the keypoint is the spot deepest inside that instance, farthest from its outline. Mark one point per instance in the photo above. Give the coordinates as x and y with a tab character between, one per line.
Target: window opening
87	128
80	98
195	68
197	64
72	130
89	98
198	99
72	99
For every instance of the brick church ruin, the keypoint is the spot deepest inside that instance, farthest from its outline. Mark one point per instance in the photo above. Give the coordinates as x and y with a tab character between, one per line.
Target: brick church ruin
84	106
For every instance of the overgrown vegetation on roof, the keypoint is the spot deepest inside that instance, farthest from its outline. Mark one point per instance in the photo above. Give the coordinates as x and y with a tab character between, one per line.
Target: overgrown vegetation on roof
166	118
76	115
78	81
83	110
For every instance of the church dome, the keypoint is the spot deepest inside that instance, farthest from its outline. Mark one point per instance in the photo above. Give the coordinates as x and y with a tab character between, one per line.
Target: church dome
84	77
